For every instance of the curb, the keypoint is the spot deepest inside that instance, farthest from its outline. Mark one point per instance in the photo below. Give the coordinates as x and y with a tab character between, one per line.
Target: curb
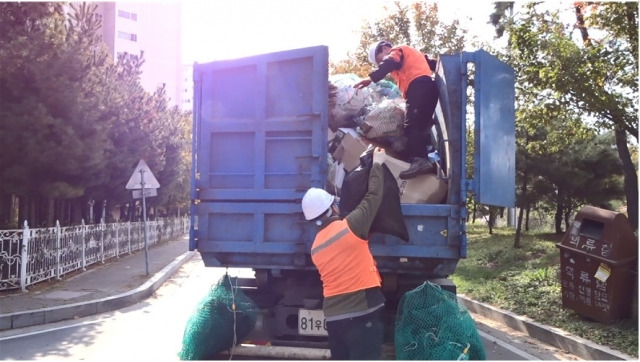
83	309
553	336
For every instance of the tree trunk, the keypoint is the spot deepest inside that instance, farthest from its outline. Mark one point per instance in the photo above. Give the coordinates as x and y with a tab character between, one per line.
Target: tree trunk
60	212
32	215
76	211
66	212
50	213
14	219
69	211
132	211
22	210
523	197
632	34
581	26
473	214
489	222
559	212
516	242
493	216
124	212
5	207
630	177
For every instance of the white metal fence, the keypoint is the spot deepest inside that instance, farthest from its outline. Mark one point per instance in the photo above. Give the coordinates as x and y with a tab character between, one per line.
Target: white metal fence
29	256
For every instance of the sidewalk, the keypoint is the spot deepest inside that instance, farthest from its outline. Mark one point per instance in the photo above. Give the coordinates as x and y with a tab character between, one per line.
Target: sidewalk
122	282
103	287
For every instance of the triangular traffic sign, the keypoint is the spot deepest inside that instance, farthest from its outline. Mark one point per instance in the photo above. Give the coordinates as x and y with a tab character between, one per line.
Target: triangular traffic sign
135	182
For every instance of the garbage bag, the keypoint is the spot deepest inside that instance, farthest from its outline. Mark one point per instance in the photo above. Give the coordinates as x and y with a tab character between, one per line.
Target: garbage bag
384	119
224	316
384	89
431	325
346	104
389	219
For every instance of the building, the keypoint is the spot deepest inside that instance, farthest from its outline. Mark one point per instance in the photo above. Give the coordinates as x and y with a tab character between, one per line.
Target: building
153	29
187	88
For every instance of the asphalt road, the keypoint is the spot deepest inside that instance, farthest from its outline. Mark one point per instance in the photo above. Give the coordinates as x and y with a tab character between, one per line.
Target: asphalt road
153	329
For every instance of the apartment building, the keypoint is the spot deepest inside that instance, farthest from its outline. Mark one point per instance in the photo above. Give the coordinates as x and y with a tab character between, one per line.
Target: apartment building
152	28
187	88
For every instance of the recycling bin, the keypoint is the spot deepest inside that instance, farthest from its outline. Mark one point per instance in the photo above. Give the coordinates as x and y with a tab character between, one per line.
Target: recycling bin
598	265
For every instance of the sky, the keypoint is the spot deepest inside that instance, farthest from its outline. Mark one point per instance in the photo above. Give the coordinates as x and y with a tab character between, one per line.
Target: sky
217	29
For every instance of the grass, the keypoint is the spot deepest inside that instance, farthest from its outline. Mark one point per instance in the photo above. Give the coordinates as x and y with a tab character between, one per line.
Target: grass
526	281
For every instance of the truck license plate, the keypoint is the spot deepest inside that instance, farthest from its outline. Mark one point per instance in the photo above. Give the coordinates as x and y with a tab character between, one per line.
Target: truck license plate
311	323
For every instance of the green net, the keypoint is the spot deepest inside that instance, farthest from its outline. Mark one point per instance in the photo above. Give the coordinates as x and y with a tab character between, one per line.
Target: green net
215	326
431	325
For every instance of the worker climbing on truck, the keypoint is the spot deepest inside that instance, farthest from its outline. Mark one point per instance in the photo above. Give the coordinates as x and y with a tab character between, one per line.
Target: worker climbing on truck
351	284
413	75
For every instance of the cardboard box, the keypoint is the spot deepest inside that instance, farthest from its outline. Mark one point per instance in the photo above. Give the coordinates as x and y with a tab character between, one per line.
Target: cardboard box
423	189
351	146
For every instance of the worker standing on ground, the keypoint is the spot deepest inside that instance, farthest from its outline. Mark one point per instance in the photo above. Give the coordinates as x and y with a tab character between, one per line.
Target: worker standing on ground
411	71
351	284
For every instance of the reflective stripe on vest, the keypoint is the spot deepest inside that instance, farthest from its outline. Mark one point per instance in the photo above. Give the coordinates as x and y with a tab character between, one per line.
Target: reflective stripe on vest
414	65
344	260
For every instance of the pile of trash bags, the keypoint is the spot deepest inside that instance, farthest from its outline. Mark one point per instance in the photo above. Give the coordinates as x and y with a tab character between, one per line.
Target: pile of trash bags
377	111
372	116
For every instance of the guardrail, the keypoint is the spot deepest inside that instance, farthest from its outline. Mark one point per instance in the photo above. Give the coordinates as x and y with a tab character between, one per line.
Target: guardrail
29	256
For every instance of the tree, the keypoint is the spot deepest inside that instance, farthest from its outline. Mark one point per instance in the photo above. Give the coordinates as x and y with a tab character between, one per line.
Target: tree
43	110
618	90
498	18
417	24
596	78
75	123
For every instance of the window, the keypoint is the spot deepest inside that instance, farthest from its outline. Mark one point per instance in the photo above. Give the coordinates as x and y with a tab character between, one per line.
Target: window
127	36
128	15
125	55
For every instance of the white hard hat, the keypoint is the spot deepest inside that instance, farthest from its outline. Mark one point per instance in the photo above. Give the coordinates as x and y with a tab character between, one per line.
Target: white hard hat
315	202
374	50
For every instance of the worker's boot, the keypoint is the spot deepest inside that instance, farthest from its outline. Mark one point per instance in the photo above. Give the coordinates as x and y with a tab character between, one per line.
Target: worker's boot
419	166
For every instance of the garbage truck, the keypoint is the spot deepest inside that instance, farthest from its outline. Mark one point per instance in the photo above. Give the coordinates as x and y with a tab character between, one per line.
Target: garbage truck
260	141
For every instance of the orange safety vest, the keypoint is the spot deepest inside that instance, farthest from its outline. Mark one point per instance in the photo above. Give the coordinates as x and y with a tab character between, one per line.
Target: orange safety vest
344	260
414	65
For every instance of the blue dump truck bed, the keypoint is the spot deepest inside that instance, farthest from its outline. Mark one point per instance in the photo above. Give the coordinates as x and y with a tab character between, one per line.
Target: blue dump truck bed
260	141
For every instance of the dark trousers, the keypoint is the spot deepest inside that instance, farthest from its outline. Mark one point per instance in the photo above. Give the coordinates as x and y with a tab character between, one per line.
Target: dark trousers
421	102
358	338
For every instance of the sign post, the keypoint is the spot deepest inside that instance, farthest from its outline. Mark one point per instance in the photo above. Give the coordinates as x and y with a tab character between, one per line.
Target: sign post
137	181
144	220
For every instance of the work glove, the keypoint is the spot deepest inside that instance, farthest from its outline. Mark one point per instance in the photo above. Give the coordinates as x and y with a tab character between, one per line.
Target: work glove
379	155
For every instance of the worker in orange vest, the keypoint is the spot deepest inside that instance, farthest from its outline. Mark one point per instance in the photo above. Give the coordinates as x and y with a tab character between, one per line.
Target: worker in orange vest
351	284
411	71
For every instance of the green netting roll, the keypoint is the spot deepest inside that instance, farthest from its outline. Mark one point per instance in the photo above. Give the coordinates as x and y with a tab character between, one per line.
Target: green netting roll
210	329
431	325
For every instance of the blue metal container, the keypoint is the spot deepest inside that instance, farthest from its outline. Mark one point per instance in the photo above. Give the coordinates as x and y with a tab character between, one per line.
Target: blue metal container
260	141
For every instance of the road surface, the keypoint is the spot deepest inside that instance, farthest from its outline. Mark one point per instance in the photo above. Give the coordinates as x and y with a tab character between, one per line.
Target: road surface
153	329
